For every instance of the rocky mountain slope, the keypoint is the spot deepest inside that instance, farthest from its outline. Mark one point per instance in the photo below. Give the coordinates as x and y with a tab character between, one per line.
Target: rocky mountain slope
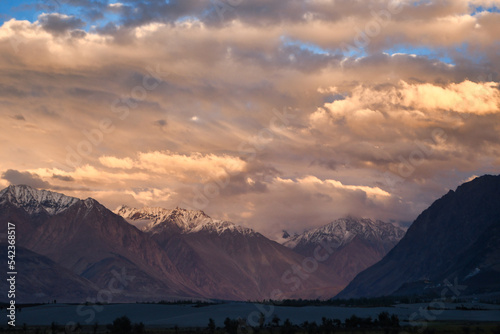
42	280
178	254
90	241
455	239
357	243
231	261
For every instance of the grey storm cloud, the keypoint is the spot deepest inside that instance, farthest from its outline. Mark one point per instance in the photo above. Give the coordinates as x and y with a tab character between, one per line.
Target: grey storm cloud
16	177
65	178
161	122
59	23
327	163
259	13
19	117
34	180
217	12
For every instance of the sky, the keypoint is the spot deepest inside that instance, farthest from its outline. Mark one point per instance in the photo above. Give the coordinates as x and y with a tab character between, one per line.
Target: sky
271	114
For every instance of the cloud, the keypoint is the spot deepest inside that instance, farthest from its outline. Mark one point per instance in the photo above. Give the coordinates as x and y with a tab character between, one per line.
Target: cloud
464	97
161	123
327	163
115	5
65	178
298	204
411	132
313	182
59	23
113	162
259	110
16	177
367	104
19	117
195	166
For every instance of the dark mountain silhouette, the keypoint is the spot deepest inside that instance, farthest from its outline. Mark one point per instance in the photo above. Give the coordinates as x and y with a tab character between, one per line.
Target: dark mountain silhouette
455	239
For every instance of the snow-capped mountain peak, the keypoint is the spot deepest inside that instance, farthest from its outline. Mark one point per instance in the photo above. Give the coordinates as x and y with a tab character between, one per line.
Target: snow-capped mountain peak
343	230
156	220
33	200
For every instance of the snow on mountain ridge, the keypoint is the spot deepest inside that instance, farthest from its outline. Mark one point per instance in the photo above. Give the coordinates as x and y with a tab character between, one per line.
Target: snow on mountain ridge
343	230
184	219
188	221
33	200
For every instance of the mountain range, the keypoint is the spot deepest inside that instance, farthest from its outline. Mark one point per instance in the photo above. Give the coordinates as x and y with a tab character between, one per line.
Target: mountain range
76	250
229	261
71	249
353	244
358	243
89	241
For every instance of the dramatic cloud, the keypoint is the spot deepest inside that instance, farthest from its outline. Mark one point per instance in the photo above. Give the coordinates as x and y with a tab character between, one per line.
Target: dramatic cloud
313	183
274	114
113	162
59	23
16	177
63	178
193	166
465	97
19	117
424	99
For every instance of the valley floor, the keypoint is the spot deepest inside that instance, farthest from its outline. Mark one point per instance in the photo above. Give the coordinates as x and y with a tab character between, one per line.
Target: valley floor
431	328
189	315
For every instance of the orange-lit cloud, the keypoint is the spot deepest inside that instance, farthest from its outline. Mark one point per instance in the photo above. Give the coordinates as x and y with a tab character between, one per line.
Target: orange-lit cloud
193	166
259	115
367	105
113	162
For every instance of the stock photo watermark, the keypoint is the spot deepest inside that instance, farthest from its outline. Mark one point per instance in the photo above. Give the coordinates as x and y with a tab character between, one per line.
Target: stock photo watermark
436	307
407	165
11	273
88	310
294	278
